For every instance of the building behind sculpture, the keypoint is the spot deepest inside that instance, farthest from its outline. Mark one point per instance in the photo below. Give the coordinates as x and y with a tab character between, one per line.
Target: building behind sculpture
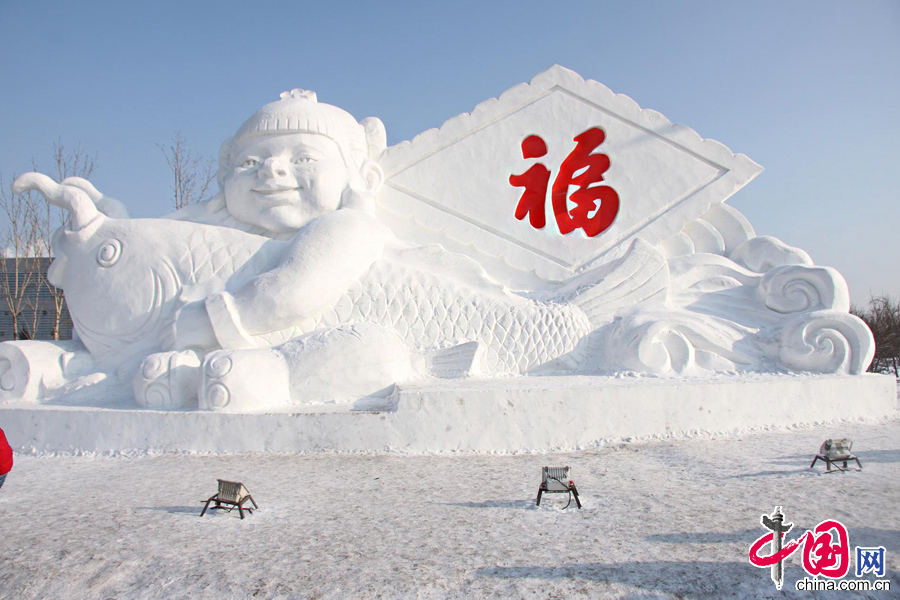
37	299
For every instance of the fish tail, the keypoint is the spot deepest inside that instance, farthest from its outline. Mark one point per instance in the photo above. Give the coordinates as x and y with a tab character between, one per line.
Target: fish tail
462	360
641	275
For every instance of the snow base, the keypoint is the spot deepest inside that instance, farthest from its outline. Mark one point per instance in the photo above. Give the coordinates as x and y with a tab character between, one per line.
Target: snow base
504	415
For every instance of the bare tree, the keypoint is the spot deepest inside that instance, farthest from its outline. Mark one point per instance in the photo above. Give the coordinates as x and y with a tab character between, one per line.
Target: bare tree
72	163
883	318
27	248
192	174
17	265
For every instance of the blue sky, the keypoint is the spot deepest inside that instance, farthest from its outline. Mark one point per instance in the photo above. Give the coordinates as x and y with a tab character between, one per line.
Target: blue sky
808	89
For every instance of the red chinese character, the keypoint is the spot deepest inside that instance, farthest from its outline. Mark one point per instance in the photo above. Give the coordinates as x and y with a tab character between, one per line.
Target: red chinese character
768	561
589	167
535	181
585	197
821	557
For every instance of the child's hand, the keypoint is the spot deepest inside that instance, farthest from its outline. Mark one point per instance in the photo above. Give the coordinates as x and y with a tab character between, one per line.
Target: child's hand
190	329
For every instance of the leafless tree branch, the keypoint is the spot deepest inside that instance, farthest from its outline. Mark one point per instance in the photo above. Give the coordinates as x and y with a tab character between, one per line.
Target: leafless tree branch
882	315
20	244
192	175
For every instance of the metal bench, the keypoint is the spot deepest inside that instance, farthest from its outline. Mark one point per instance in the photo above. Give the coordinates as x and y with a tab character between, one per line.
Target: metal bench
231	495
557	480
832	452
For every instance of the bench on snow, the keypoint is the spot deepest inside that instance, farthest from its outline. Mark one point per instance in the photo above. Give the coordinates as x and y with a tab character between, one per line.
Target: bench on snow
231	495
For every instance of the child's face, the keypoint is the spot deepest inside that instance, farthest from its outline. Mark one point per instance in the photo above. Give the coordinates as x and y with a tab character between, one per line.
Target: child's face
281	182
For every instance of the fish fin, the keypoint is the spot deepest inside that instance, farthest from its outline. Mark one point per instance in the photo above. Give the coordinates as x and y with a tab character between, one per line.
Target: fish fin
641	275
462	360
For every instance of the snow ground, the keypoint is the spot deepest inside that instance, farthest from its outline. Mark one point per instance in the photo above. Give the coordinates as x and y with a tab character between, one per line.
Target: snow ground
663	519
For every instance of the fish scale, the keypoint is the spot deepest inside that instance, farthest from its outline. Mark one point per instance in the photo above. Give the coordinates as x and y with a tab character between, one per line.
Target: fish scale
430	312
210	256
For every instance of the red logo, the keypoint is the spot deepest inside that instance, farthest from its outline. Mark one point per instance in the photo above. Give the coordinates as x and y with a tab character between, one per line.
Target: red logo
580	168
826	549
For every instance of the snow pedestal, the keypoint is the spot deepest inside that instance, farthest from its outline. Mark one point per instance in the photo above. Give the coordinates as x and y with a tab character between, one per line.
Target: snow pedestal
524	414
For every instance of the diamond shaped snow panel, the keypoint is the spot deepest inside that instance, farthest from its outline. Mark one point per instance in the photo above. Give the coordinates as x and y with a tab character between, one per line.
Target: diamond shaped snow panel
452	185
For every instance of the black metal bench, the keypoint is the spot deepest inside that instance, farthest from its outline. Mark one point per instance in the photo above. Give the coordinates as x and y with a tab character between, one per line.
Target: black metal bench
231	495
835	451
557	480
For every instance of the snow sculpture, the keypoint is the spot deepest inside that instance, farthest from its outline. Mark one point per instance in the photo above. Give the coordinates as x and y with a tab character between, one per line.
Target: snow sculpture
329	267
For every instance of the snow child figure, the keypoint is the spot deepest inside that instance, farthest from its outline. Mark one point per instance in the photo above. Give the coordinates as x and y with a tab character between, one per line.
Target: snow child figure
303	172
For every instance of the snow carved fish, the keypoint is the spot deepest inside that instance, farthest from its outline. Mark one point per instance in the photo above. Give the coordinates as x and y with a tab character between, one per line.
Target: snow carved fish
124	279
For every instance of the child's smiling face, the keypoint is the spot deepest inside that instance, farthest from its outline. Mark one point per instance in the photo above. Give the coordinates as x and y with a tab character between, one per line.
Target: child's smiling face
282	182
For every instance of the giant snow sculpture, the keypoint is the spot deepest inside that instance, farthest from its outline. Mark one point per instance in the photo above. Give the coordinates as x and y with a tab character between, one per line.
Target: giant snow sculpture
557	229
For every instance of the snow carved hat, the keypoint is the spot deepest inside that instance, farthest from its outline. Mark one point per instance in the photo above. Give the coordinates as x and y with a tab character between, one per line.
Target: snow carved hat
299	111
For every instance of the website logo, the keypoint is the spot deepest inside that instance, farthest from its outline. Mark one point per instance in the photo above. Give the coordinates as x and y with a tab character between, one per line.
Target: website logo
826	554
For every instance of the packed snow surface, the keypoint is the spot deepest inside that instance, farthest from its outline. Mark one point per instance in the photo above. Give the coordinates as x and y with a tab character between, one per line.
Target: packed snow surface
661	519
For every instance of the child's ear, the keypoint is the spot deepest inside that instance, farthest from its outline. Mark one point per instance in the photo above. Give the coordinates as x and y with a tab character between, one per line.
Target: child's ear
372	174
376	136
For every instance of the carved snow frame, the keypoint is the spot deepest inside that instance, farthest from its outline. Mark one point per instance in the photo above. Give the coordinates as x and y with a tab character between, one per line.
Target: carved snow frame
424	220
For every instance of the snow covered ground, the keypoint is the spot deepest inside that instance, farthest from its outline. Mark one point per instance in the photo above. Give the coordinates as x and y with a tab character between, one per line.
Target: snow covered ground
663	519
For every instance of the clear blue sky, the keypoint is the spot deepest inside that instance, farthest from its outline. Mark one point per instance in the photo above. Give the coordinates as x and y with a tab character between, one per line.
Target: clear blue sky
808	89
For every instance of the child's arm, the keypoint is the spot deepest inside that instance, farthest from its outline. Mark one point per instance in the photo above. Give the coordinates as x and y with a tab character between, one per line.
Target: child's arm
325	258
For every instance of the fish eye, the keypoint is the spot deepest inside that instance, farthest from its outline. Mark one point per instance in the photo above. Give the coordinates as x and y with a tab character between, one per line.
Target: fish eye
109	253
